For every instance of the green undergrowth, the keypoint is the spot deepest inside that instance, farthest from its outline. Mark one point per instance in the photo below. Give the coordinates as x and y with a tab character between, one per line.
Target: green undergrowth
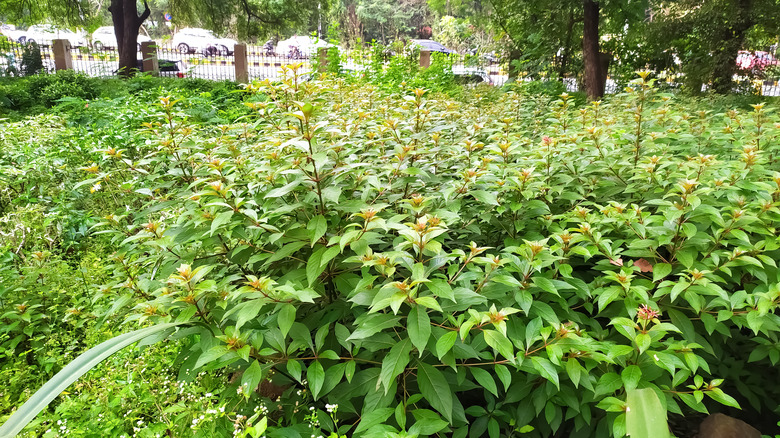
354	259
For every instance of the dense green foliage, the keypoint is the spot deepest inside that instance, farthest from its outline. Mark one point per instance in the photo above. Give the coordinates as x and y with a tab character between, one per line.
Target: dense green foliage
386	261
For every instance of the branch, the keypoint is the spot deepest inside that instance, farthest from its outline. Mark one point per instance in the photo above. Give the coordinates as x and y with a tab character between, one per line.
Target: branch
502	25
250	14
144	15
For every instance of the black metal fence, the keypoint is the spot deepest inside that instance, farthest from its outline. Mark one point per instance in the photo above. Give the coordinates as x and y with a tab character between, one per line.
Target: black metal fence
261	63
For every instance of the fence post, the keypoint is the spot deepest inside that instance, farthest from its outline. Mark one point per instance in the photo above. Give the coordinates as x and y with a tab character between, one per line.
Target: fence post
322	58
241	63
62	57
425	59
149	56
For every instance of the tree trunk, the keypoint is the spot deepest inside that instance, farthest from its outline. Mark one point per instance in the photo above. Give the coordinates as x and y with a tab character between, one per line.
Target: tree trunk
514	68
566	47
127	22
594	85
725	54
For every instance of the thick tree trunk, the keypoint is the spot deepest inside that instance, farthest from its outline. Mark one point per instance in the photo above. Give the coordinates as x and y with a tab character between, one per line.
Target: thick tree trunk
725	54
127	22
594	85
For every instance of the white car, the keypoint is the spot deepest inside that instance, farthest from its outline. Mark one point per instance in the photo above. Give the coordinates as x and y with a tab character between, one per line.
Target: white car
46	33
471	75
105	37
300	46
11	32
190	40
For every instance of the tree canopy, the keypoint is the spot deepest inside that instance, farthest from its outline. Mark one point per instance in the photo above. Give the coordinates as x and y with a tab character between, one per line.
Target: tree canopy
542	38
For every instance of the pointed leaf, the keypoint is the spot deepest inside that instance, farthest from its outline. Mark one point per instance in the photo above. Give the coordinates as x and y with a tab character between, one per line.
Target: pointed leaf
645	415
419	327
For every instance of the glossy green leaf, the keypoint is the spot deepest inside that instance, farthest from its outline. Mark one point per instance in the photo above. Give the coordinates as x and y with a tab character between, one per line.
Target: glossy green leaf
435	389
419	327
645	415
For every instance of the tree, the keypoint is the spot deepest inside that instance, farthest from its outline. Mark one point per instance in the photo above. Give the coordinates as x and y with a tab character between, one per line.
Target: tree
387	20
127	22
540	31
707	35
245	18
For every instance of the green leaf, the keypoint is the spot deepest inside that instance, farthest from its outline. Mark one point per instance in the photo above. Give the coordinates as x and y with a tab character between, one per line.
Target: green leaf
220	220
313	266
574	370
285	189
545	284
631	376
294	368
285	318
372	418
643	341
686	257
546	369
500	343
441	289
645	415
318	225
484	197
484	379
429	302
395	362
445	343
435	389
661	271
316	377
719	396
372	324
427	423
419	327
80	366
504	376
252	377
608	384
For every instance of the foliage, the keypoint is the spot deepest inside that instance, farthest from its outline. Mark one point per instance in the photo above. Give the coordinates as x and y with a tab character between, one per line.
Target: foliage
387	20
32	62
432	266
374	259
706	37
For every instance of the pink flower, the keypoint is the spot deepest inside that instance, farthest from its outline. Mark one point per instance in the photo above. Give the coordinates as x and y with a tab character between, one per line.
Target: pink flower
646	313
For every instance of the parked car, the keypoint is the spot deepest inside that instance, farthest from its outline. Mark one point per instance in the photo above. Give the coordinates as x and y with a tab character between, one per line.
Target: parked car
164	66
300	47
432	46
471	75
11	32
45	33
105	37
489	57
191	40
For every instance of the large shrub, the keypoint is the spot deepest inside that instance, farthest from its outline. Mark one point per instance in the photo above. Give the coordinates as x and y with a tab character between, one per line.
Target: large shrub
493	266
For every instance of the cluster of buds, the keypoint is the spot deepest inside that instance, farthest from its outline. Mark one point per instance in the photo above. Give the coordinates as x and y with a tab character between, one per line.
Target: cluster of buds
749	156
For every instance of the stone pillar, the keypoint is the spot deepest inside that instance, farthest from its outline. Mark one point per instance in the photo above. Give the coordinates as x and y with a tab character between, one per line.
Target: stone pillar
322	58
425	59
149	56
62	58
241	63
